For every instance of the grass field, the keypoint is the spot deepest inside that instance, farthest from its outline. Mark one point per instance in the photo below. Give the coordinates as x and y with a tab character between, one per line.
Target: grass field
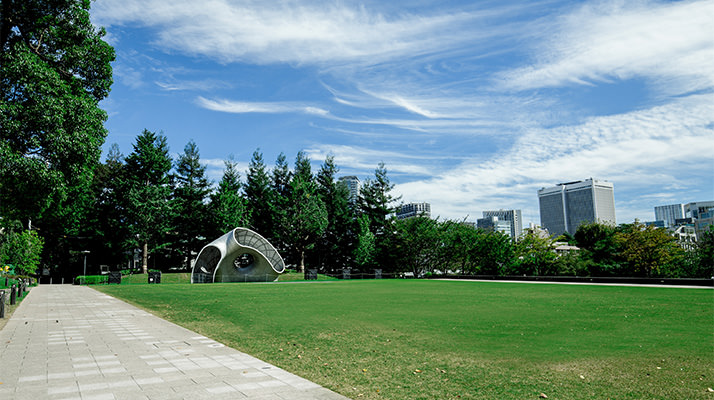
416	339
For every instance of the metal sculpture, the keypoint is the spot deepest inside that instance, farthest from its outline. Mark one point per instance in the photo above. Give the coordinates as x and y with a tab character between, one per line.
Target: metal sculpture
240	255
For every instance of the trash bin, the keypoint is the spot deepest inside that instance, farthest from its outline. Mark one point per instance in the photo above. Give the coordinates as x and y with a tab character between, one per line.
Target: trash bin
154	277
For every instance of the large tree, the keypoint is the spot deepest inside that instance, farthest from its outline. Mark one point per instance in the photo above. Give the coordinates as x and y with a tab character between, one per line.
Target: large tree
306	218
54	71
228	206
190	208
147	194
336	246
378	204
259	196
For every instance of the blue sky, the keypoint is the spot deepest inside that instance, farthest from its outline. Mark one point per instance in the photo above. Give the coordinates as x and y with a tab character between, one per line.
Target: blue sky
471	105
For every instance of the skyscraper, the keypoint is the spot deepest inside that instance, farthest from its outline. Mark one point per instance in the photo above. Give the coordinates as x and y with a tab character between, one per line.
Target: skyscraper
566	206
512	216
669	213
352	183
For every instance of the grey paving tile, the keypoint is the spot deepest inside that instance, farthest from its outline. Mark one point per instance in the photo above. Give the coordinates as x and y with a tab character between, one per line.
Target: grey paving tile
72	342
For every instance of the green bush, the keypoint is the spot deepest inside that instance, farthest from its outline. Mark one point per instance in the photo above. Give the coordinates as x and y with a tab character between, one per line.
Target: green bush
91	279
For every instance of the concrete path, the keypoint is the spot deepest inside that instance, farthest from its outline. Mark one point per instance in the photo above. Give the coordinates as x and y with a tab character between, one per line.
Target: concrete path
72	342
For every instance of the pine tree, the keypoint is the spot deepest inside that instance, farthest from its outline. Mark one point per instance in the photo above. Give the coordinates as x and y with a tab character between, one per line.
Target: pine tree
190	209
336	246
147	194
228	206
259	196
306	217
377	203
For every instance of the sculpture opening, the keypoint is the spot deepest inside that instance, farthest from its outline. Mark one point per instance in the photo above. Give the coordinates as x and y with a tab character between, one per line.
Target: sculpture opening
240	255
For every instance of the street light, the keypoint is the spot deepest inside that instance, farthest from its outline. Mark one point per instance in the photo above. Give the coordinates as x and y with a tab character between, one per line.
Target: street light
85	252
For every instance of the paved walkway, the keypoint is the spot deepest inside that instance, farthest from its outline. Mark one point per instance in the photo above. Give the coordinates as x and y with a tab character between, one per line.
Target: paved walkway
72	342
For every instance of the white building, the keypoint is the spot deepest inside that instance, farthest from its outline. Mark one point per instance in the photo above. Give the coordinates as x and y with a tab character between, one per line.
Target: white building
513	217
669	214
566	206
414	210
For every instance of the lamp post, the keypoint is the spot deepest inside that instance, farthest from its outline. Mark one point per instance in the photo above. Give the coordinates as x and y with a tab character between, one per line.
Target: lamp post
85	252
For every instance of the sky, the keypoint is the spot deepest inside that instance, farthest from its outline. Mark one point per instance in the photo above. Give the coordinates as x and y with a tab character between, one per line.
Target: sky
471	105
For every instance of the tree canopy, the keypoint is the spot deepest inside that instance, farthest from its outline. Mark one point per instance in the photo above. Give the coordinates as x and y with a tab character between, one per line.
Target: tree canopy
54	70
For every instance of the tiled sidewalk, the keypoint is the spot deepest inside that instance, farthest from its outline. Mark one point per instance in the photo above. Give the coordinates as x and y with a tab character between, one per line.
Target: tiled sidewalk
72	342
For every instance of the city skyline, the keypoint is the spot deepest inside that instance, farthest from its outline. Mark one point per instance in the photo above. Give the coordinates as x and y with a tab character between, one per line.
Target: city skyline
470	106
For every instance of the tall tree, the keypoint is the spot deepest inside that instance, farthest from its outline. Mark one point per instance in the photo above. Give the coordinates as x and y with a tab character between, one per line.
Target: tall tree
147	194
54	71
336	246
190	208
377	203
228	206
105	227
364	252
280	202
306	218
259	197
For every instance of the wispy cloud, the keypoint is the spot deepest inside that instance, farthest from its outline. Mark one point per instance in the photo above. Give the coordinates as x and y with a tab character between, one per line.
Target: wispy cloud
632	150
620	40
239	107
293	32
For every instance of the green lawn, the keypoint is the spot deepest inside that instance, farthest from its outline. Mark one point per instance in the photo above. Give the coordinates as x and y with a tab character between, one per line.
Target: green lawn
417	339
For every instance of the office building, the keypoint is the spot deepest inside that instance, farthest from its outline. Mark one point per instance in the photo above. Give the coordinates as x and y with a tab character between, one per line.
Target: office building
702	214
414	210
669	213
495	224
513	217
353	186
566	206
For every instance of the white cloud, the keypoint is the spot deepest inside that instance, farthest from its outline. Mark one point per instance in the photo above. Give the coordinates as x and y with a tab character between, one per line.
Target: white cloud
240	107
616	40
364	160
637	151
292	31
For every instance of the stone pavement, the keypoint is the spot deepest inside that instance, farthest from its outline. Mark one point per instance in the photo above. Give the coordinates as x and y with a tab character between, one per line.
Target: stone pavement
72	342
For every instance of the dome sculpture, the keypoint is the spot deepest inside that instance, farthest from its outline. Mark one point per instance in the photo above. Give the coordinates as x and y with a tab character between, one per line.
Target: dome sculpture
240	255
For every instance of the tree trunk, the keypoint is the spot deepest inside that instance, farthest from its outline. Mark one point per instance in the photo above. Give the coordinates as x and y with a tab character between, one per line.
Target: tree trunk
145	258
301	267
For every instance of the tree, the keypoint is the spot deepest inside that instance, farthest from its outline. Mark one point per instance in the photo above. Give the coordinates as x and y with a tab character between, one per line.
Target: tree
598	248
228	207
458	241
259	197
190	210
377	203
20	248
493	252
704	259
336	246
105	226
54	71
535	255
280	202
649	251
306	217
417	244
147	194
365	250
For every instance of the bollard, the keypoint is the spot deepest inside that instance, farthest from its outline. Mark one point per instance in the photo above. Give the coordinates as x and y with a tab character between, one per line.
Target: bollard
2	304
13	295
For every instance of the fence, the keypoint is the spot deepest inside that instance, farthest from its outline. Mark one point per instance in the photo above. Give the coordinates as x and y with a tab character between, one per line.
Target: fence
588	279
14	291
